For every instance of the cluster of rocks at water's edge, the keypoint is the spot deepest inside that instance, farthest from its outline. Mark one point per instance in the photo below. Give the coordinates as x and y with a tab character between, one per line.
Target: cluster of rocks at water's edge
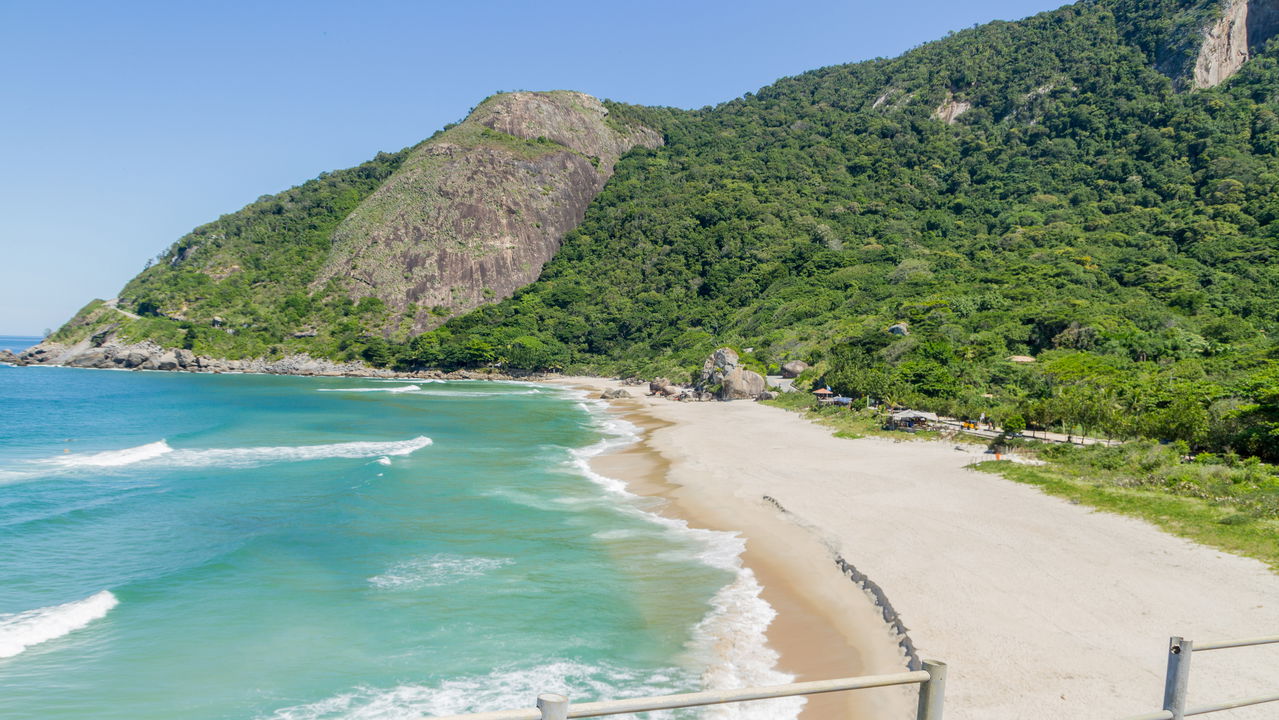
146	355
722	378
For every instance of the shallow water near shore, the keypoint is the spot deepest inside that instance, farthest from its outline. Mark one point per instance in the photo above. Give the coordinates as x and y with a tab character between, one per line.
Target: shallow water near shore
280	547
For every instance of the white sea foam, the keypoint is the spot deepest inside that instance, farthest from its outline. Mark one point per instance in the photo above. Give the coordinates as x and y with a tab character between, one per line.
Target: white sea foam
730	642
117	458
418	390
384	460
615	534
435	570
504	688
479	393
19	631
396	389
160	454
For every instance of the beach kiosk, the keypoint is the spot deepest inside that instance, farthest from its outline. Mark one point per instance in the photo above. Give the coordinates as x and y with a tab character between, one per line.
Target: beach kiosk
911	420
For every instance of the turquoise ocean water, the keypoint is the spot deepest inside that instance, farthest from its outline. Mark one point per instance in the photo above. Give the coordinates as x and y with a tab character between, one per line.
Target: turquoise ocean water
244	547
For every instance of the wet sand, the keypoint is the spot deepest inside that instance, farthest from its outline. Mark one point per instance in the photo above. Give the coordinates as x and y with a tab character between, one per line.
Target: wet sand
826	627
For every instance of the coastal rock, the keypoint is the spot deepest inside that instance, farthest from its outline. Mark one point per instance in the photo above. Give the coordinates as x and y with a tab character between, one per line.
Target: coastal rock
718	365
7	356
741	384
614	394
655	386
110	353
92	358
793	368
633	381
167	361
132	358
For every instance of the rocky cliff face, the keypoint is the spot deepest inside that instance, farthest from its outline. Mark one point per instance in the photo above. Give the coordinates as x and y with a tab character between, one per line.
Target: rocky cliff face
1244	26
473	215
463	219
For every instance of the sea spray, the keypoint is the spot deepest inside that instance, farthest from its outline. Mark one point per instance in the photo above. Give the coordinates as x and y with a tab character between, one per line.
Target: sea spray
19	631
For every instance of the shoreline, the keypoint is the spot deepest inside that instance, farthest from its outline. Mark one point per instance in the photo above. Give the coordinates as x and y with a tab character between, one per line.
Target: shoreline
1040	607
826	625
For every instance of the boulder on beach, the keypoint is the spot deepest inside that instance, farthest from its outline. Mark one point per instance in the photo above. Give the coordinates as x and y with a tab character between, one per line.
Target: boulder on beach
741	384
723	374
793	368
718	365
614	394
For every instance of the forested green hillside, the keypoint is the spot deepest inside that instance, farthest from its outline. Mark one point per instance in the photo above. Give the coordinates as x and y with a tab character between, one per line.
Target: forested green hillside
1082	211
1053	188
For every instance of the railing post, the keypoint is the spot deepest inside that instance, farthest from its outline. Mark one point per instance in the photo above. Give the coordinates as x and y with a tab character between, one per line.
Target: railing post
932	691
553	707
1177	681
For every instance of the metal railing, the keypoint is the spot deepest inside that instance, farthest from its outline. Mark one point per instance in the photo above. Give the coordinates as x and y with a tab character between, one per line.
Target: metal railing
1177	680
931	681
932	686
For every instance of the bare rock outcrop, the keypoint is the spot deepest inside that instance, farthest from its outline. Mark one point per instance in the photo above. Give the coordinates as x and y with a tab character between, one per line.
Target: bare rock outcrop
741	384
723	375
950	110
1233	38
473	215
718	365
112	353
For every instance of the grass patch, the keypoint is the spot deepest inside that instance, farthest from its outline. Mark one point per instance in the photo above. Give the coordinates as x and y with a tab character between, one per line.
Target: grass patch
1213	522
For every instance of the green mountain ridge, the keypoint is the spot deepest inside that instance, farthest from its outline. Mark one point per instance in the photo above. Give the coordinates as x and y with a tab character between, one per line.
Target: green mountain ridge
1094	187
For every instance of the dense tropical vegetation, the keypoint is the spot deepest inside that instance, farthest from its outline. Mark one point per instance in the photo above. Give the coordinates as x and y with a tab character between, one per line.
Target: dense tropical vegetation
1084	209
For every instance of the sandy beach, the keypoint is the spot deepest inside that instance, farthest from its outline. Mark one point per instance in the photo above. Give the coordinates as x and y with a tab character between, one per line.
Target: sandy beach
1042	608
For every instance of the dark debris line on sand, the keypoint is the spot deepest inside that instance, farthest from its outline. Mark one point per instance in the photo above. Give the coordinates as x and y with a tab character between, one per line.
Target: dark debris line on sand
891	616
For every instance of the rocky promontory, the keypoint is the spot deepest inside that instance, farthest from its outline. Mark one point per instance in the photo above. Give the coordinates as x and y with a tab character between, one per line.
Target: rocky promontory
116	355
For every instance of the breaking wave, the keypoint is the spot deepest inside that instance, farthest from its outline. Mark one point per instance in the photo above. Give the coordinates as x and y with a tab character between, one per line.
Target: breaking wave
160	454
504	688
397	389
730	641
19	631
435	570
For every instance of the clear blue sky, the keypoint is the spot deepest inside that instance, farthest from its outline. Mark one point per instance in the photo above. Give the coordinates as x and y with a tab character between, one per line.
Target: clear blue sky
125	124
